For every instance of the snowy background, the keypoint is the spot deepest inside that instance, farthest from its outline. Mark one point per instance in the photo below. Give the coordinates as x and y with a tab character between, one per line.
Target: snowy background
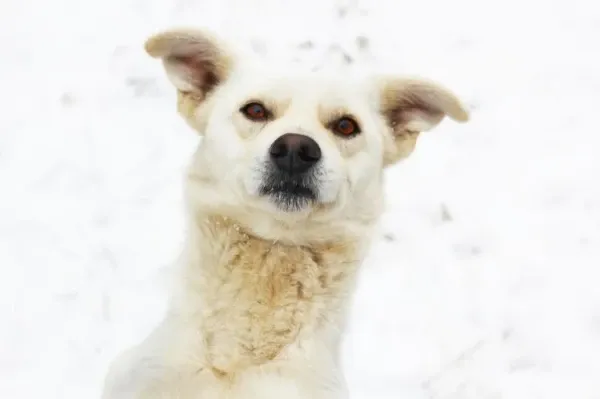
485	282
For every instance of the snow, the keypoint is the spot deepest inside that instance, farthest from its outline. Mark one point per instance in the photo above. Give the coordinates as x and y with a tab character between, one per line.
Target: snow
484	282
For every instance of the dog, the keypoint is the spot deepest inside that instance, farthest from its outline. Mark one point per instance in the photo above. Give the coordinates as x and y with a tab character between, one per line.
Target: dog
283	195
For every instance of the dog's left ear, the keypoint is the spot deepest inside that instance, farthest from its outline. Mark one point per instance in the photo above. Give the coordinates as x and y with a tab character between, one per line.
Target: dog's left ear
195	61
412	106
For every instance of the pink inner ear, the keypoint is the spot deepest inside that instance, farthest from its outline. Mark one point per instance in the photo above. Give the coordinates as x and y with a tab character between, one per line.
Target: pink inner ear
196	71
423	102
437	102
421	119
407	111
191	64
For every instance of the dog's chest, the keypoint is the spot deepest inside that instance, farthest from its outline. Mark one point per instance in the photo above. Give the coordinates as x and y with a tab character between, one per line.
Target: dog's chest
257	296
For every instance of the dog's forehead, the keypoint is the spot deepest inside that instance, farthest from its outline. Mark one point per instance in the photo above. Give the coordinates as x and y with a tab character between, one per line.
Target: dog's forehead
316	87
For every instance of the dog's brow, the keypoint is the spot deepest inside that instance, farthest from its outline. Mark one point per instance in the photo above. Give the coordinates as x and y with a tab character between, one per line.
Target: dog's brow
276	106
328	115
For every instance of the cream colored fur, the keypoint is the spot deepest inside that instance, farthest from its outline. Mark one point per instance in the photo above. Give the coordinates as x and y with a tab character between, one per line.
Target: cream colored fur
260	302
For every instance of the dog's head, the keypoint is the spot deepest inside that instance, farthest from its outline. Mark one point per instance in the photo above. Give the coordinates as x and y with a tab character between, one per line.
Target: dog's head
284	149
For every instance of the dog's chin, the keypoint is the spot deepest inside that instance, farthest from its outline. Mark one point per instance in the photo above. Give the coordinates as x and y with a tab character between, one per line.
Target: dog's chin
290	197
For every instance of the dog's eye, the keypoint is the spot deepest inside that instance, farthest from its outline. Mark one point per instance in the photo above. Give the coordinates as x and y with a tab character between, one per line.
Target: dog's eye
255	112
346	127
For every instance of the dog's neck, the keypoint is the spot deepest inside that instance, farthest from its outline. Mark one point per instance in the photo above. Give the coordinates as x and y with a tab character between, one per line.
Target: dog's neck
252	297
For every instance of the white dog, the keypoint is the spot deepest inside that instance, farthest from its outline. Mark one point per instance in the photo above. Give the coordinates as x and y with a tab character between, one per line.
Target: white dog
283	194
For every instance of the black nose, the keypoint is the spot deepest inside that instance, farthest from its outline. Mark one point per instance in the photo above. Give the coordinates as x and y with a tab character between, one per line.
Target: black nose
294	153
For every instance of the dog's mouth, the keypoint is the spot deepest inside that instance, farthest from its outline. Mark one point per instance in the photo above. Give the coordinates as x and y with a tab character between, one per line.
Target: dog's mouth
289	194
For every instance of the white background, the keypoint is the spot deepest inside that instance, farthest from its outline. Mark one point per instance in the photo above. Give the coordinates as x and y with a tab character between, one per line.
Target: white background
485	282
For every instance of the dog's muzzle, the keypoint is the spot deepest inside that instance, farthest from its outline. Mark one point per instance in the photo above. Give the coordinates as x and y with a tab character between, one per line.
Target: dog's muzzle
290	180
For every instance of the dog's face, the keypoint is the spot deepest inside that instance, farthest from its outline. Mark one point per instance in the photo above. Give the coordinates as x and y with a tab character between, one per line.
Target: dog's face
292	144
289	147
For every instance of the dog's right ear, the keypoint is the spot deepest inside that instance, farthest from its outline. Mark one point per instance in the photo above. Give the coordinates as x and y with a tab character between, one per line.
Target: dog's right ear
195	61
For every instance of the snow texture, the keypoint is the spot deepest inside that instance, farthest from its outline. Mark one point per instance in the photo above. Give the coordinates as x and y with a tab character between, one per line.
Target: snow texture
485	280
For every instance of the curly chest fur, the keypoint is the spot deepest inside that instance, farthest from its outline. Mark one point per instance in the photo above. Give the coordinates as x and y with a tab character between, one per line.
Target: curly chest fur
258	296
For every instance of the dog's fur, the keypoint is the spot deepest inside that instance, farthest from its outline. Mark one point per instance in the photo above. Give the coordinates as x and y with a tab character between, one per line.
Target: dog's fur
261	298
